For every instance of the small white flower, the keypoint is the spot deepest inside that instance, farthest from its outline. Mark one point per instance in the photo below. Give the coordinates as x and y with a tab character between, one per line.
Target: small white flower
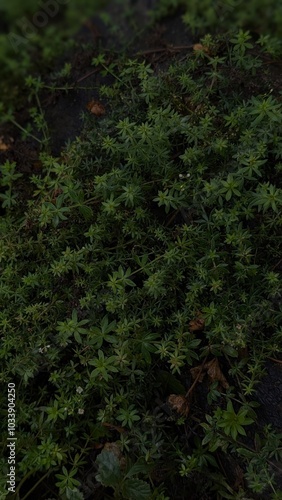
80	411
79	390
188	175
44	349
181	176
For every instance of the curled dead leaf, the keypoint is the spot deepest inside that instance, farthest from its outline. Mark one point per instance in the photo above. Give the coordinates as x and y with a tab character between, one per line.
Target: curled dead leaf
5	144
199	46
198	323
195	373
179	404
96	108
213	370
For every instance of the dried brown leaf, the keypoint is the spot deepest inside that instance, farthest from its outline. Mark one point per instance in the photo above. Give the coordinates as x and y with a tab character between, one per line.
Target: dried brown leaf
195	373
4	144
212	369
199	46
214	372
196	325
96	108
179	404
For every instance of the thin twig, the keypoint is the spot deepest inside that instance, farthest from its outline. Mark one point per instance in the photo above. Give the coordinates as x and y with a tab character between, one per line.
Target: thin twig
171	219
86	76
277	264
275	360
196	379
164	49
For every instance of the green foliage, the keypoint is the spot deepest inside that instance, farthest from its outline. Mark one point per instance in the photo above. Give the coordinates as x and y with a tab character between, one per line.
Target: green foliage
263	16
8	175
160	213
34	35
109	468
128	486
231	422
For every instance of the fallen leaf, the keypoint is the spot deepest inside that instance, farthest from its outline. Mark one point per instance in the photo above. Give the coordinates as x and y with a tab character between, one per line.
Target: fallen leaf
212	369
199	46
215	373
179	404
197	324
96	108
195	372
3	143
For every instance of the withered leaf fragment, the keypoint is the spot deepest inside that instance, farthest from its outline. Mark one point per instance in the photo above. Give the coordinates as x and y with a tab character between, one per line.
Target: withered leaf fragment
197	324
212	369
198	46
179	404
5	145
96	108
195	373
215	373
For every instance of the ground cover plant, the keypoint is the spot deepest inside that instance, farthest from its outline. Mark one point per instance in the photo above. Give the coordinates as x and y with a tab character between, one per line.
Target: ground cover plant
140	281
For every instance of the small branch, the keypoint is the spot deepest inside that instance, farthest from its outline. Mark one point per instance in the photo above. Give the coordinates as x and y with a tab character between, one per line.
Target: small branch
275	360
171	219
188	393
277	264
24	130
86	76
165	49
